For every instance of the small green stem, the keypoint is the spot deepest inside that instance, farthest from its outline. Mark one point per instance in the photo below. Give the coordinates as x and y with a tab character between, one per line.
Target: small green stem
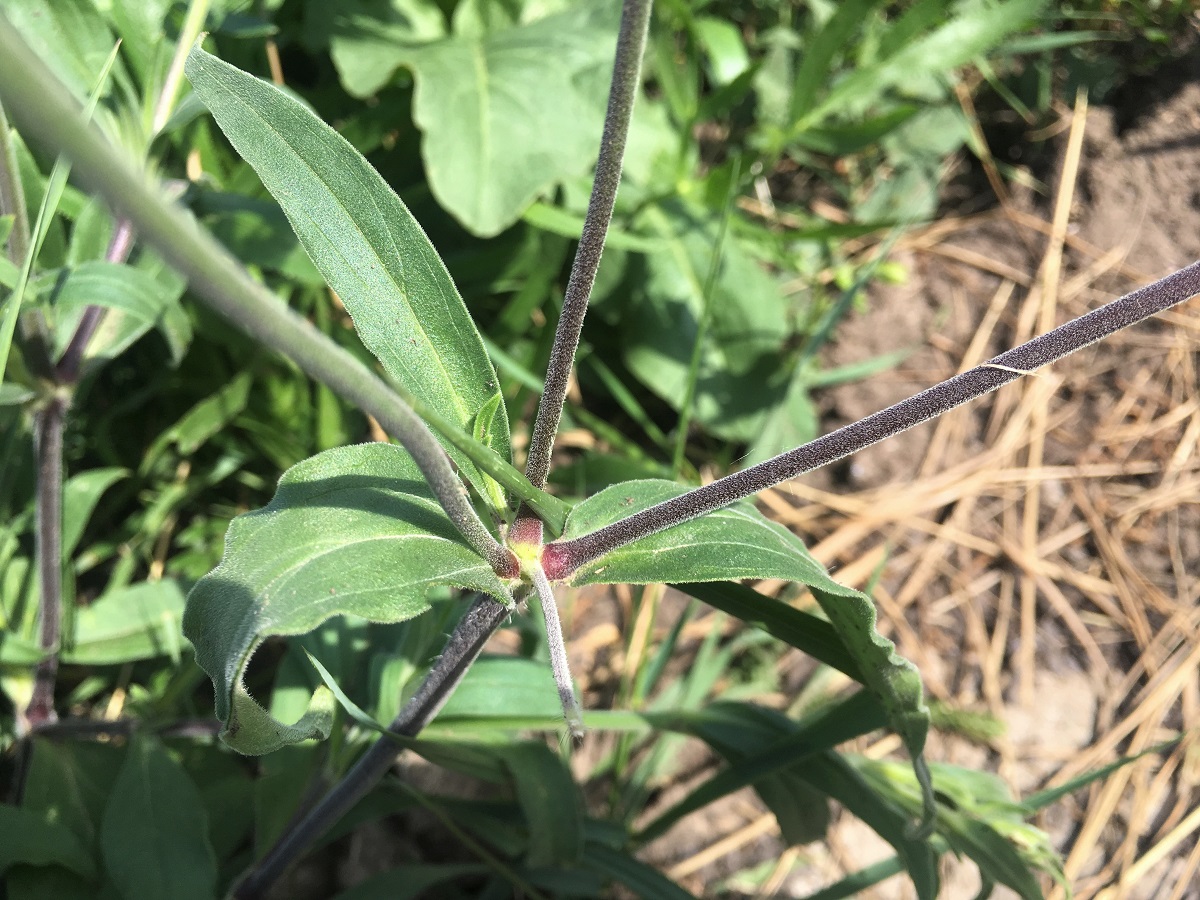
561	558
12	194
631	43
192	23
49	114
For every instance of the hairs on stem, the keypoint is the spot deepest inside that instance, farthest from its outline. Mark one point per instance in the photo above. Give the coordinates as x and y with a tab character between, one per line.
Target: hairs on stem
631	43
561	558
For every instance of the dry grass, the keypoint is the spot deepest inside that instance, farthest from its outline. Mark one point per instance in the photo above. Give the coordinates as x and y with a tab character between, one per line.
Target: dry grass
1042	566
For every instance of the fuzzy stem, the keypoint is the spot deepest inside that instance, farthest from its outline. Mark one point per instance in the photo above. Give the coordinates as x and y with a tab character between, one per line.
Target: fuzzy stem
48	446
465	644
631	42
559	664
49	114
561	558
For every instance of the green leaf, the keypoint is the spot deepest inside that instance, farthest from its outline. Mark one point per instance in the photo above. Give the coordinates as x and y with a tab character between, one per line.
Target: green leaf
501	687
72	38
368	38
508	114
549	799
15	394
81	493
978	818
203	421
978	27
643	880
132	623
367	245
71	782
738	378
353	531
724	47
543	785
155	835
731	543
738	542
760	751
28	837
134	302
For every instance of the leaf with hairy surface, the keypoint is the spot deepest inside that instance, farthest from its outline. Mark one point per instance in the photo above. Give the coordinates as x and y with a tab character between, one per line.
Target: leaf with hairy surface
739	542
352	531
370	249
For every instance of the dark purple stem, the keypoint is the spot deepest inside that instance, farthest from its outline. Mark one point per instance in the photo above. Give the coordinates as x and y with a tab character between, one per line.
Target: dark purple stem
48	441
631	41
473	630
69	365
561	558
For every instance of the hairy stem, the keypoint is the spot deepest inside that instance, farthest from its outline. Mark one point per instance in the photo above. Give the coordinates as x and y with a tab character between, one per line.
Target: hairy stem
558	654
563	557
465	644
631	42
49	114
48	445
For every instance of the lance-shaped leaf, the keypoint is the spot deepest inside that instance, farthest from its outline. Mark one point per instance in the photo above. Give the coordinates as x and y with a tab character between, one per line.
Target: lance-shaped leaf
738	542
369	248
352	531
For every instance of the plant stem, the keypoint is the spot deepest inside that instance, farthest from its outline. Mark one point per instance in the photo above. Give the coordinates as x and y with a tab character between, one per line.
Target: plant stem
192	23
12	194
71	361
558	654
48	113
631	42
48	445
561	558
465	644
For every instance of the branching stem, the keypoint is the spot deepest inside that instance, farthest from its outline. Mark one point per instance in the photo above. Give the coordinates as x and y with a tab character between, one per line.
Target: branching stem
561	558
631	42
46	112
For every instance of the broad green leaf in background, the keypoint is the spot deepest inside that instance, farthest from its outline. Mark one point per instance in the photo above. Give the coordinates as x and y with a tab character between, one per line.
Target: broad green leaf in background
354	531
367	38
508	114
367	245
81	493
739	376
155	834
738	542
27	836
501	687
138	622
134	302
